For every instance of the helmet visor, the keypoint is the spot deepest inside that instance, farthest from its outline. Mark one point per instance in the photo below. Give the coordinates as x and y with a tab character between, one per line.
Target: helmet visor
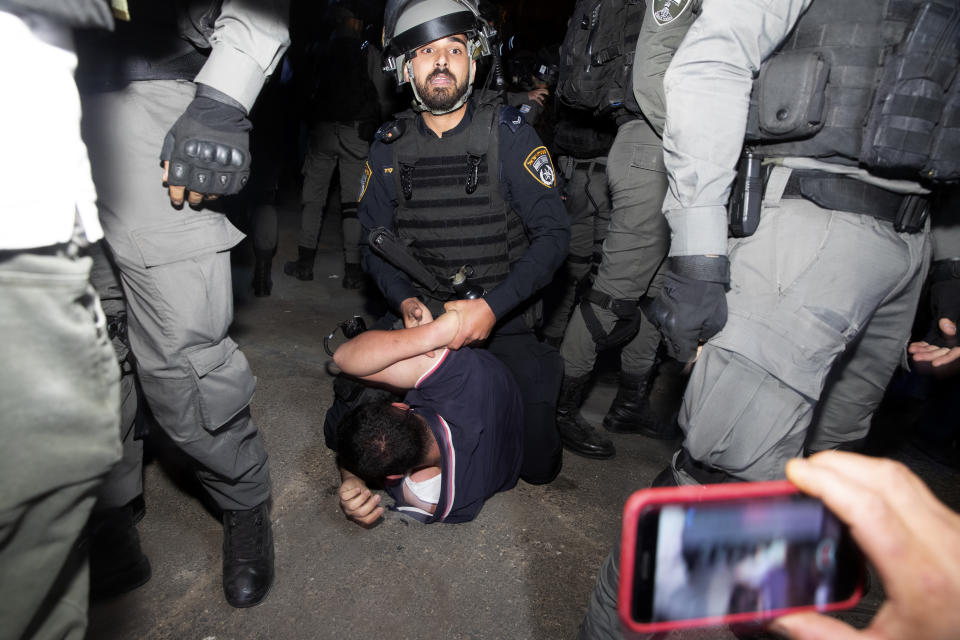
429	29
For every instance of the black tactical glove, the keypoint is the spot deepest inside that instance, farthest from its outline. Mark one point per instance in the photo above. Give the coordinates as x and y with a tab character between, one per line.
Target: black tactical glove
692	306
944	301
208	147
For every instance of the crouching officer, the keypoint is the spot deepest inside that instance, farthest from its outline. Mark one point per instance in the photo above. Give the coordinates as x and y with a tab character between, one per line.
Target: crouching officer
467	183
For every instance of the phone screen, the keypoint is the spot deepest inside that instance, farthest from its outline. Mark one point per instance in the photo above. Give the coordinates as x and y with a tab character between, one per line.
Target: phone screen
708	559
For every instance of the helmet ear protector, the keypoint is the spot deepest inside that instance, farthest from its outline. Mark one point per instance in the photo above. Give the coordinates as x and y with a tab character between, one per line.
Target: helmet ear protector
415	23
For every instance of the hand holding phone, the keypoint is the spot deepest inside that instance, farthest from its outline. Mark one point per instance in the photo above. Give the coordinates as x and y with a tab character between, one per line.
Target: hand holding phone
911	538
731	554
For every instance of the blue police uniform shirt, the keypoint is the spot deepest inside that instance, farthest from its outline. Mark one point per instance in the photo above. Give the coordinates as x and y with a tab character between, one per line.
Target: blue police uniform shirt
527	182
471	403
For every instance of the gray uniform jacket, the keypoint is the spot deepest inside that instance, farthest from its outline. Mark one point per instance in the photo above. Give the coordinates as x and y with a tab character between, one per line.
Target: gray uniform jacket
714	66
245	51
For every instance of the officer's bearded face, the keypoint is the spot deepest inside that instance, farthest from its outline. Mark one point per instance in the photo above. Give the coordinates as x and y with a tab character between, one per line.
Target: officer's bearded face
441	72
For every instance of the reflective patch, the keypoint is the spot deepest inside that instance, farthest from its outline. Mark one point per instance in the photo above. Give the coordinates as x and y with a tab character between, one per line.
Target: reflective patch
539	165
364	179
666	11
524	109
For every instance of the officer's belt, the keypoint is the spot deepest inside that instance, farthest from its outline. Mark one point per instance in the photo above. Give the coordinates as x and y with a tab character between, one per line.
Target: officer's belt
592	166
840	193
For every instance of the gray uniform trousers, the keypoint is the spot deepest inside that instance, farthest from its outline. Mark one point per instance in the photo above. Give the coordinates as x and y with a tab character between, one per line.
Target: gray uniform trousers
637	241
59	402
125	481
813	292
175	271
587	200
332	145
601	621
820	308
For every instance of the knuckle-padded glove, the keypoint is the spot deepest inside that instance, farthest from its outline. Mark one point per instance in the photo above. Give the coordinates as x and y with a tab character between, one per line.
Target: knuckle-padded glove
209	145
692	305
944	301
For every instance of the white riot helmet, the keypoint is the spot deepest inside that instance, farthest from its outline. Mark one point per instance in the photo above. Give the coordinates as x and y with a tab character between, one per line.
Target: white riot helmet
410	24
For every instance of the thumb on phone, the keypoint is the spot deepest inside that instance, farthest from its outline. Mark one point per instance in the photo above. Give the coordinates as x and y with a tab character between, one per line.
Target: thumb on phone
813	626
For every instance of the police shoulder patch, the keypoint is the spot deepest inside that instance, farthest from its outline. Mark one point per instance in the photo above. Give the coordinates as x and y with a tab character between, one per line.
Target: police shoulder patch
539	165
511	117
666	11
364	179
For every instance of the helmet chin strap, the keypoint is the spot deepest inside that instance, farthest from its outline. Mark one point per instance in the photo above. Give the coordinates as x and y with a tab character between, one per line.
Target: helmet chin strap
420	105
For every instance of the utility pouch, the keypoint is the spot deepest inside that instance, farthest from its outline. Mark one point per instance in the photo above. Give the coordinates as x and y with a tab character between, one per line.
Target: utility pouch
746	199
790	95
912	215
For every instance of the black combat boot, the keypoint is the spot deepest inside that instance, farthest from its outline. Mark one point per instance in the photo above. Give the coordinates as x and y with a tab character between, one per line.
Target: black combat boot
578	435
665	478
352	275
262	282
302	267
247	556
117	564
631	412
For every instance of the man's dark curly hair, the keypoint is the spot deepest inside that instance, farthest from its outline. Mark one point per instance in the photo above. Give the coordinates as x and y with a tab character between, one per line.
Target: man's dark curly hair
378	439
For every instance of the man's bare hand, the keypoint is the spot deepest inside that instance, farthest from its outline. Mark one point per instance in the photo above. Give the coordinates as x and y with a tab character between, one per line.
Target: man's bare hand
910	537
414	313
935	355
359	503
177	193
538	95
476	321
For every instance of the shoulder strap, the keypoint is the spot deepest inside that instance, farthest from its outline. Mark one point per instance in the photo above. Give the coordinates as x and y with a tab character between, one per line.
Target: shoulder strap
405	153
482	131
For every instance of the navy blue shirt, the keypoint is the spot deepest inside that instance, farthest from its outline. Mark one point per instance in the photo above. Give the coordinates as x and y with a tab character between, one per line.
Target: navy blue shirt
526	182
473	407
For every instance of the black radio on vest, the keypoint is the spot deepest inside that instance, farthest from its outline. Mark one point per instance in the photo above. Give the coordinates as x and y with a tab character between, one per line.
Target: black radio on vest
462	286
746	198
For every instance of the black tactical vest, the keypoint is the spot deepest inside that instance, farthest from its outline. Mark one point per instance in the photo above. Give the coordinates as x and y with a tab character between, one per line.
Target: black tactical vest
865	81
449	202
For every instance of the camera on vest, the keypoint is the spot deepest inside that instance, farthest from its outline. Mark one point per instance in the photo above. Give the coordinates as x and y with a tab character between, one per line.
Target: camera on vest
462	286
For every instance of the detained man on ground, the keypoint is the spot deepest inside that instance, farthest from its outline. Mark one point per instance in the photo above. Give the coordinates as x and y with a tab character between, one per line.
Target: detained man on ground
455	440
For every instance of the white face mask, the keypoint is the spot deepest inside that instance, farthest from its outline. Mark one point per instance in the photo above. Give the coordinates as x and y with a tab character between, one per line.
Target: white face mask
426	491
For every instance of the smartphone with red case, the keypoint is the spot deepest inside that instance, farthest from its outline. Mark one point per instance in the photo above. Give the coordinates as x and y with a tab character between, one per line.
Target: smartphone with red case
732	554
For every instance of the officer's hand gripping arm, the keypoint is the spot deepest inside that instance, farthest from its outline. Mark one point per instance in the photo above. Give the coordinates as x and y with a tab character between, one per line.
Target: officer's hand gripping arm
476	323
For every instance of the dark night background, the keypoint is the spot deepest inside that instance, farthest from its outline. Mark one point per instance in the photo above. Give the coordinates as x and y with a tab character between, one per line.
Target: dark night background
536	23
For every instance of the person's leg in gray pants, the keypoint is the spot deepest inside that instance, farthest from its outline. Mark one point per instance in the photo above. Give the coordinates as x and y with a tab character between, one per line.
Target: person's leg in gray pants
811	289
175	270
635	246
352	156
60	402
587	200
117	563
